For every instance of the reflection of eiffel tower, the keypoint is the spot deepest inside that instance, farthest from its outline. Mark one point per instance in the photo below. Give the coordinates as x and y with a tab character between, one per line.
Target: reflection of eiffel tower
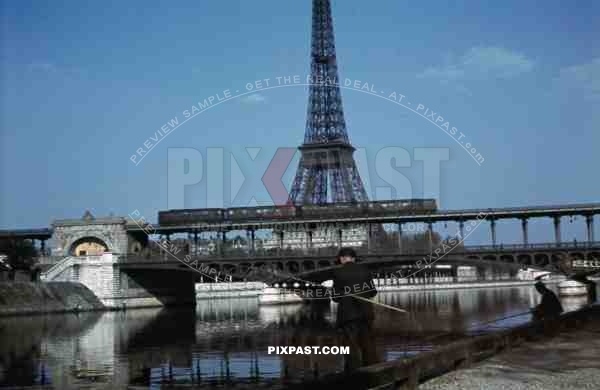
327	172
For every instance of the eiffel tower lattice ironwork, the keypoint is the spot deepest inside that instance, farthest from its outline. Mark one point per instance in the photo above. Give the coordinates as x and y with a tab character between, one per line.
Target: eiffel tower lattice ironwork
327	172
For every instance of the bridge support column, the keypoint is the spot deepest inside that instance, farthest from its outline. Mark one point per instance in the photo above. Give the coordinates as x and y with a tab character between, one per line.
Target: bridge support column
195	242
221	242
589	221
280	234
399	238
557	235
340	232
168	238
369	237
461	227
525	232
252	241
165	253
43	246
493	229
430	229
309	239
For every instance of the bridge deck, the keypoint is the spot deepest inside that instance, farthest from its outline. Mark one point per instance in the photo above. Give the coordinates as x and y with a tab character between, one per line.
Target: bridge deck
391	217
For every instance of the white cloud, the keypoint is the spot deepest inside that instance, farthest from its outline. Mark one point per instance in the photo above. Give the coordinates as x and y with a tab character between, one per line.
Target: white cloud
479	64
583	79
42	67
254	98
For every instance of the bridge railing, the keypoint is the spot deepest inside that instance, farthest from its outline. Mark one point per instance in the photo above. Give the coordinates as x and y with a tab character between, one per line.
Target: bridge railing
176	253
45	260
524	208
553	245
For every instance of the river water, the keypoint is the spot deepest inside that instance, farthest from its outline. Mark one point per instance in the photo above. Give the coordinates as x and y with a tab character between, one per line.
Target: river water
223	343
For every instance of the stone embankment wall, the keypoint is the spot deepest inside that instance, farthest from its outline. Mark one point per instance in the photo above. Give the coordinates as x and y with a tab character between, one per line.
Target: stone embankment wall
17	298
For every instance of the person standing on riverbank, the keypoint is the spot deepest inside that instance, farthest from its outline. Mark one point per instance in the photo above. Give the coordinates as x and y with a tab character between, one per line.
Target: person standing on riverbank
354	316
550	307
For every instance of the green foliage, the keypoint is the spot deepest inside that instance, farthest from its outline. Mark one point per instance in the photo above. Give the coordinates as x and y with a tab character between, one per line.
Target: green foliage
20	254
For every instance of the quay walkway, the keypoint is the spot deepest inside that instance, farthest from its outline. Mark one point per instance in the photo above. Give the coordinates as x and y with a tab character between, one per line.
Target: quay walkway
570	360
519	358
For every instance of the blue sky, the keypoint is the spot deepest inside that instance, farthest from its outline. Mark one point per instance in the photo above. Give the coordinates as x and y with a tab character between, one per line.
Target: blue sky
83	86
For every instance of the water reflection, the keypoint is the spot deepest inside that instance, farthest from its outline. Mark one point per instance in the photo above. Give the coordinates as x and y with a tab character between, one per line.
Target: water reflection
225	341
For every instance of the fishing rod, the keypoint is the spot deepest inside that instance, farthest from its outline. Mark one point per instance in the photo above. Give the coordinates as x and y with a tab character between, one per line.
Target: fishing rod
396	309
499	319
380	304
463	332
405	312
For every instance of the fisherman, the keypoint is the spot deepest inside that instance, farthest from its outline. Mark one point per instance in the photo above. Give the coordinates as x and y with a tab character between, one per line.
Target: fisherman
354	315
550	307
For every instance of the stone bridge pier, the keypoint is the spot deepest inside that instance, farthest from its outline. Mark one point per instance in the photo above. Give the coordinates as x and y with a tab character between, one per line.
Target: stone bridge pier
91	251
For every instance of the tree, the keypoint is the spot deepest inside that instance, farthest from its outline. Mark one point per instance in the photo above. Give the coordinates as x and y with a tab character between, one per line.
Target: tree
20	253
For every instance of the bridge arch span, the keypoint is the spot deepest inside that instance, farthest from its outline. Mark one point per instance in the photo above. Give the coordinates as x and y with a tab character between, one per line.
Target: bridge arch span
524	259
541	260
293	267
507	258
577	256
324	264
308	265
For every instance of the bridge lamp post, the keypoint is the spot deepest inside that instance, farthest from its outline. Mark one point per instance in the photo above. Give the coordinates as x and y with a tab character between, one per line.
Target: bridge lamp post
461	227
557	235
493	230
430	229
400	237
525	232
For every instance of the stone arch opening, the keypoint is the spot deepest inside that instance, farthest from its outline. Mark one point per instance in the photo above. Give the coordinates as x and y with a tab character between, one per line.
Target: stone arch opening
577	256
228	270
507	259
293	267
324	264
541	260
308	265
88	246
524	259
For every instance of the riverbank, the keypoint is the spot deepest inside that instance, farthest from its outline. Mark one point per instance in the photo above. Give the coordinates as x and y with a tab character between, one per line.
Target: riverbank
550	360
26	298
570	360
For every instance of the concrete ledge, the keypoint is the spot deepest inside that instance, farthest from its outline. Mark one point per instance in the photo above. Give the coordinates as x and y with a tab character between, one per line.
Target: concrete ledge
459	285
228	290
130	303
276	296
26	298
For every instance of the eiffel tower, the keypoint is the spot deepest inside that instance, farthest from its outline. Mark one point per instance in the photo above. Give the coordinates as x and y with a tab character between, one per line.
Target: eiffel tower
327	172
